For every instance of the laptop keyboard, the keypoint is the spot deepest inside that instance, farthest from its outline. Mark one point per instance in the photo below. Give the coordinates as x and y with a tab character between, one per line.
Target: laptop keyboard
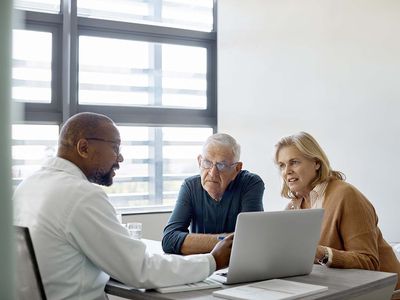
201	285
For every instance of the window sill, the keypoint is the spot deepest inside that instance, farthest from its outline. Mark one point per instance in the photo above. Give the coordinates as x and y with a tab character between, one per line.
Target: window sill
156	209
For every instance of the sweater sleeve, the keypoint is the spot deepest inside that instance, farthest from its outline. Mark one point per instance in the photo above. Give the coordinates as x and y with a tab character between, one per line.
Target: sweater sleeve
358	231
252	195
94	230
177	227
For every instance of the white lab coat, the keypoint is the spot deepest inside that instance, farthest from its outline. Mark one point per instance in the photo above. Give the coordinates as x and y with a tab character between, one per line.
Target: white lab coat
79	241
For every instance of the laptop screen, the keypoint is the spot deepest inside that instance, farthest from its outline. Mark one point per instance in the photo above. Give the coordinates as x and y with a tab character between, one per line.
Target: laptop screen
273	244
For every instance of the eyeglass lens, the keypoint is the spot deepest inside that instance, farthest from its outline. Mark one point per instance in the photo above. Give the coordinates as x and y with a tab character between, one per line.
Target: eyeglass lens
206	164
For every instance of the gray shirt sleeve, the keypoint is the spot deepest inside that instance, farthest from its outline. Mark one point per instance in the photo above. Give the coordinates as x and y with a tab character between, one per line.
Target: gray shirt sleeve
177	228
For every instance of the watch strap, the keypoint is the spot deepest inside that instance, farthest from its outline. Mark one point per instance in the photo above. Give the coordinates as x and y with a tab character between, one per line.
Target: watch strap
324	259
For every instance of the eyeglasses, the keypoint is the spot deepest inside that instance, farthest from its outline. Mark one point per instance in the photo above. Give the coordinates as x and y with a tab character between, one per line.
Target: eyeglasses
221	166
116	146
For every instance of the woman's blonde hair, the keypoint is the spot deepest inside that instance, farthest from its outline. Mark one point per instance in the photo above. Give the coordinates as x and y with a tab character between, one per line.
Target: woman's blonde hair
310	148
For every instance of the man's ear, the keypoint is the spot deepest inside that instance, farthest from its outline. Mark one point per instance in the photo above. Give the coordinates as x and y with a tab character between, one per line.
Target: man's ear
239	166
199	157
82	148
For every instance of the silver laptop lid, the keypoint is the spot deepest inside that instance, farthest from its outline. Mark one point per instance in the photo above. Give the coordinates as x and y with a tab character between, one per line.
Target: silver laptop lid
274	244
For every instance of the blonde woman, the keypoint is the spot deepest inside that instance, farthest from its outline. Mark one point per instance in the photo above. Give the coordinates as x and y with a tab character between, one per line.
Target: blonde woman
350	237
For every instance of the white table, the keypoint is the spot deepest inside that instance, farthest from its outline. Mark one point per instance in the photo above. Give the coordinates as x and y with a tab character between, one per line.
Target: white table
342	284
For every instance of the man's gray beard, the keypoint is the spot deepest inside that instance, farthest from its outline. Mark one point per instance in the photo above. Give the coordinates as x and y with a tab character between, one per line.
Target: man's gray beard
102	179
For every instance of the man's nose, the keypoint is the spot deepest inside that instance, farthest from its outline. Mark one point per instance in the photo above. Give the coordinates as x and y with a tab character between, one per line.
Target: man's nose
213	170
120	158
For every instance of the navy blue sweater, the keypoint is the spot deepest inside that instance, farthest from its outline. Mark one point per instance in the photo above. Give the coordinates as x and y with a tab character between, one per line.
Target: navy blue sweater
196	208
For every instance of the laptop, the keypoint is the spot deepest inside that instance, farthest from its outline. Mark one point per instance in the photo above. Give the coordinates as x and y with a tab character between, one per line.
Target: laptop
29	283
273	244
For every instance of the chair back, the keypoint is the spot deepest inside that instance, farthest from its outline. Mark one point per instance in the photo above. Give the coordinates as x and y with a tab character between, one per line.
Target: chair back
28	281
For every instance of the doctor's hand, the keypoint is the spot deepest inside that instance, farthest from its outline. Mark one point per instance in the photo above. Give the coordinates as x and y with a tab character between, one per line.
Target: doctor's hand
222	252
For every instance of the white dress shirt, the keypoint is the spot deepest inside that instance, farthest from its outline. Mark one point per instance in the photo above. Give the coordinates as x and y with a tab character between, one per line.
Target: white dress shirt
79	241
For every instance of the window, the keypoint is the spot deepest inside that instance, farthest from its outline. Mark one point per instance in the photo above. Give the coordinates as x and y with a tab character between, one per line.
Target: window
156	160
149	65
31	72
49	6
32	144
196	15
110	75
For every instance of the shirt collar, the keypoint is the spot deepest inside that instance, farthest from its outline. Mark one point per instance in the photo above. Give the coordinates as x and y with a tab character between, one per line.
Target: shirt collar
62	164
316	197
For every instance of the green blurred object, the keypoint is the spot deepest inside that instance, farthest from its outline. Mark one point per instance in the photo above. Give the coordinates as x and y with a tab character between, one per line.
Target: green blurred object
7	242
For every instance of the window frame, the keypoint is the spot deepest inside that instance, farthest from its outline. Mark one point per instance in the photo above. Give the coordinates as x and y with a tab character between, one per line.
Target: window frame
66	28
45	112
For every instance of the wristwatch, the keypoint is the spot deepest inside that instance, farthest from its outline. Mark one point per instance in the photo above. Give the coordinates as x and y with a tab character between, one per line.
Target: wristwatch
324	259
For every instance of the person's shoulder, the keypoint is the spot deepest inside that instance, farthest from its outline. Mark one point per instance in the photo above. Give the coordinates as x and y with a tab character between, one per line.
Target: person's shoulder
90	187
73	184
82	193
247	175
341	185
192	184
88	196
346	190
194	179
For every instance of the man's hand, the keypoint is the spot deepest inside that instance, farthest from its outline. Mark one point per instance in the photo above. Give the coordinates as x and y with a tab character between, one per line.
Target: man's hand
222	252
196	243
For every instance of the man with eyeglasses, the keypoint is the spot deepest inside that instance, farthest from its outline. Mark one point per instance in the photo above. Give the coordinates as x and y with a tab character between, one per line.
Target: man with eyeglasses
210	202
78	239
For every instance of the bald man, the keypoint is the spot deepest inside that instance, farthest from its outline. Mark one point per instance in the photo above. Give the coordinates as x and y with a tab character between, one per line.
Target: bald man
78	239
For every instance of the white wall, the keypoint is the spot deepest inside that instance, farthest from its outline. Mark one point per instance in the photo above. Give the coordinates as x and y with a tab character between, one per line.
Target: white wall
328	67
152	224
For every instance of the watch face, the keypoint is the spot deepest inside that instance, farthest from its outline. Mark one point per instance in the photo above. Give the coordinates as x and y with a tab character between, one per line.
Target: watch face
324	260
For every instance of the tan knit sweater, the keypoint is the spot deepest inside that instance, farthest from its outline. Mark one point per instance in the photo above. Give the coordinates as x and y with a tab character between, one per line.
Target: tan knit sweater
350	228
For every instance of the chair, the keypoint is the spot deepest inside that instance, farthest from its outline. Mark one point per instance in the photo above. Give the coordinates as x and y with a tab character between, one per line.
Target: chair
28	281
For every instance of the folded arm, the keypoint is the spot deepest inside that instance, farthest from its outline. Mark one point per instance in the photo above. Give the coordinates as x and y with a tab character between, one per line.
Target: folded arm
356	222
195	243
